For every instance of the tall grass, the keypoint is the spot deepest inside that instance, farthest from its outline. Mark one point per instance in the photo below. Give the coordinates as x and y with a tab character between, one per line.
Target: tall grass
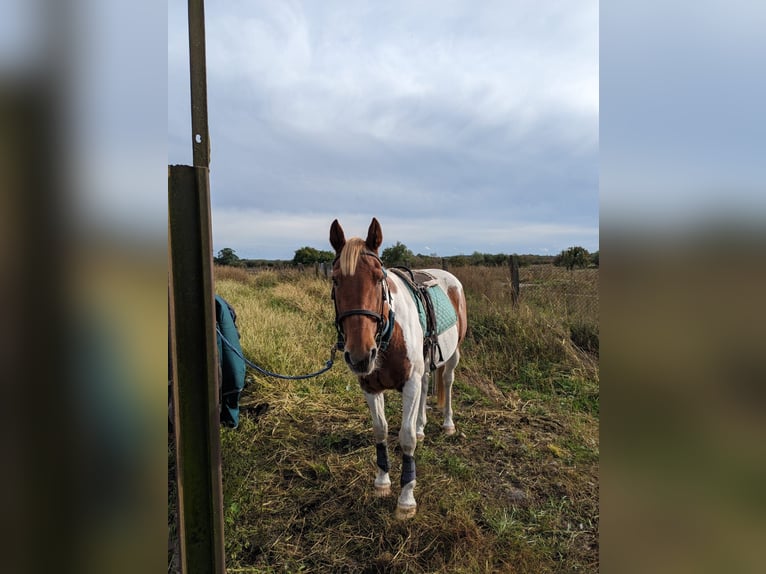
515	490
528	347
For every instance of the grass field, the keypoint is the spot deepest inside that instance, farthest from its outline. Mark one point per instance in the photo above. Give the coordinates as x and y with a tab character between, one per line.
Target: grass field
514	490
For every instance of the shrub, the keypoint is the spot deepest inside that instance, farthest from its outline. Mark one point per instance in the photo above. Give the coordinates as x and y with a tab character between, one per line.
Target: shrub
573	257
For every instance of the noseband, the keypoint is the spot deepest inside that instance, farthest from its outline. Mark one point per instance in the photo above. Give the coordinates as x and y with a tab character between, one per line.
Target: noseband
385	328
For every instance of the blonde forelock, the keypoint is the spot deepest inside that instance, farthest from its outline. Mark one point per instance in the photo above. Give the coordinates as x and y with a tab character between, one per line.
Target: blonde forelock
350	254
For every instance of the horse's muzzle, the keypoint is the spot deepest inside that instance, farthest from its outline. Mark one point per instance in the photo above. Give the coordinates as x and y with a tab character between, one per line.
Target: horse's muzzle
361	365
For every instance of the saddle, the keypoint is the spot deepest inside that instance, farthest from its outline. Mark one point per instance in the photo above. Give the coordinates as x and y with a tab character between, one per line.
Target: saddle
435	316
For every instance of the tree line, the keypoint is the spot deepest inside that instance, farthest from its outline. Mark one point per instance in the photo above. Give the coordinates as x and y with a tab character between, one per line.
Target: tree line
400	255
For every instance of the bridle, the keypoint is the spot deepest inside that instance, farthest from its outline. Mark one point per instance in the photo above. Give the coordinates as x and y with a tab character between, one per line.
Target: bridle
385	327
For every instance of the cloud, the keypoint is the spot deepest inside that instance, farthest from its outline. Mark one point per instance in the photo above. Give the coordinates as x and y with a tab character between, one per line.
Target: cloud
686	140
410	112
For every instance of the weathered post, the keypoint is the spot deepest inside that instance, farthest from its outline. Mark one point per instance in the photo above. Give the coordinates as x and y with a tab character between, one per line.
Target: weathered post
514	264
195	372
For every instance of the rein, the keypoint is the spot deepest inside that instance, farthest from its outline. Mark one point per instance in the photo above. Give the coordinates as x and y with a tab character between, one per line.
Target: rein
327	367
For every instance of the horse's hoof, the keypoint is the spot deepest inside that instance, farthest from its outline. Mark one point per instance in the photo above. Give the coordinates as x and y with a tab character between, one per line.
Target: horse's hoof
405	512
382	490
449	431
421	437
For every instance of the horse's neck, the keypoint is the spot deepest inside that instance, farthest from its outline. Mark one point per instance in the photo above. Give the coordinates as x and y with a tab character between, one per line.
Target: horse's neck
401	295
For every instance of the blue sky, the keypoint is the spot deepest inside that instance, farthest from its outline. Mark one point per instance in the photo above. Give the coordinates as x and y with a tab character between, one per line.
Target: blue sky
462	127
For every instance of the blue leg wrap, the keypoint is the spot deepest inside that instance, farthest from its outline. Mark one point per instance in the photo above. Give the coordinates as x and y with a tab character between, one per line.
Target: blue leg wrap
408	469
380	450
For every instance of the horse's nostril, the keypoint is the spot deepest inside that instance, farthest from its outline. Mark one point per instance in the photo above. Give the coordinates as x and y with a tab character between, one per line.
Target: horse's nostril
360	364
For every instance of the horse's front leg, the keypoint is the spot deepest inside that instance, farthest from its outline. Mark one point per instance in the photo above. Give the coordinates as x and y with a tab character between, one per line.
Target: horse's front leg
406	506
380	430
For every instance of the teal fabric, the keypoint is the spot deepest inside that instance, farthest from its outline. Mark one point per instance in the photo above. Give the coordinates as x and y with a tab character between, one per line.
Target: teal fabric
232	366
445	312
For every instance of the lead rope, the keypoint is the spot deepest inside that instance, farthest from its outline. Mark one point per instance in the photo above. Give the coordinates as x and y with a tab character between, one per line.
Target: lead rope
327	367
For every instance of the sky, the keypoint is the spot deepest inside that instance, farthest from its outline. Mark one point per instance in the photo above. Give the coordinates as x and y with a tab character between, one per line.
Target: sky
681	114
460	126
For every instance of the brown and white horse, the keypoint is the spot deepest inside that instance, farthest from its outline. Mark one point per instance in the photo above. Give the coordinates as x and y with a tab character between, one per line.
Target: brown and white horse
382	339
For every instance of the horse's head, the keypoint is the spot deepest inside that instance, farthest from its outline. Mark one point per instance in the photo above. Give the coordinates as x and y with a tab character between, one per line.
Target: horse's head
360	291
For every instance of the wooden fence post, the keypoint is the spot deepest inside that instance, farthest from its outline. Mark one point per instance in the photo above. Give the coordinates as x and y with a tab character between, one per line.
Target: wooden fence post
514	264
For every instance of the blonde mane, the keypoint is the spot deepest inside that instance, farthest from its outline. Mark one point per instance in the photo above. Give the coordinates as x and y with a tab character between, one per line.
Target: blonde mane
349	256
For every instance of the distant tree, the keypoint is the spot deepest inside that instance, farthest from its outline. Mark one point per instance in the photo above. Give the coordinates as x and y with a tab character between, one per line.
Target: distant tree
477	258
309	255
397	255
594	258
422	261
573	257
457	260
526	260
227	256
495	260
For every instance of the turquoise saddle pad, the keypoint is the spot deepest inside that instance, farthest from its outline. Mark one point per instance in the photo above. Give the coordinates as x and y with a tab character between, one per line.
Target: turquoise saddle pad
445	312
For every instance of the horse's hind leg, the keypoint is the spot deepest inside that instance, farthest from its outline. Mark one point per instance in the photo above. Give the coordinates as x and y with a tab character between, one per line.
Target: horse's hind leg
406	505
380	430
421	425
444	391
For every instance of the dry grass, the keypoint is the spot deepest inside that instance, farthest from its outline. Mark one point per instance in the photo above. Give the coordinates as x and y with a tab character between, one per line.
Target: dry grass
227	273
515	490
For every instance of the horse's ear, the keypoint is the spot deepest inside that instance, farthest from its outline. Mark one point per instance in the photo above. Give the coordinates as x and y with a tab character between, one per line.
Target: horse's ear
337	237
374	236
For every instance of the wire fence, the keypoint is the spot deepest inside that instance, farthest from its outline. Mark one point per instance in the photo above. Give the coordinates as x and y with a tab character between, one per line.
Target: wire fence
569	294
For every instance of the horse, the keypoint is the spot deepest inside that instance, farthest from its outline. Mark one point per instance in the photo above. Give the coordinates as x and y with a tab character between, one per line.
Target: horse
382	337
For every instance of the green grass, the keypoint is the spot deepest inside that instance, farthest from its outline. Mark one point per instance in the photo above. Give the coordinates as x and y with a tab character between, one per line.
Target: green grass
514	490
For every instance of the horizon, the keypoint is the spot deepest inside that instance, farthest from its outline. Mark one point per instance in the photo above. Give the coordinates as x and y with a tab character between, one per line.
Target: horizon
384	246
